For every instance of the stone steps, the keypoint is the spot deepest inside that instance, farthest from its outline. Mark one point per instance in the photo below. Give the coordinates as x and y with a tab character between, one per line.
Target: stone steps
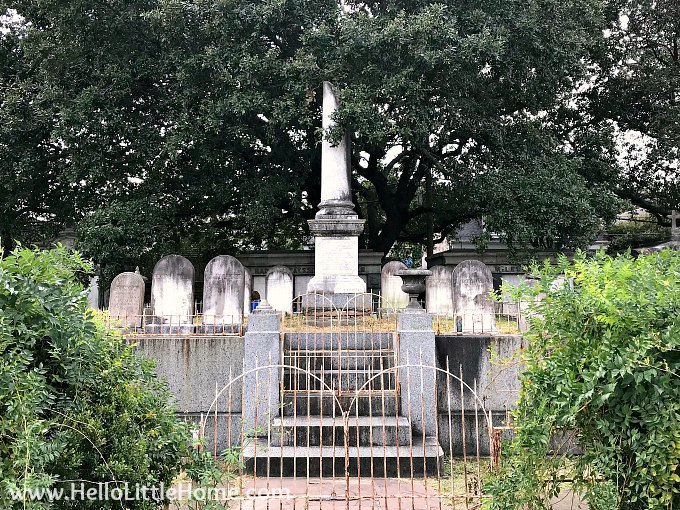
340	380
303	403
421	457
330	431
332	342
352	359
340	375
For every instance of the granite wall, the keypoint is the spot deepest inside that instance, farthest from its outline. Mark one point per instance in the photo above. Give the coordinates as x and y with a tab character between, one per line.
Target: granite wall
196	367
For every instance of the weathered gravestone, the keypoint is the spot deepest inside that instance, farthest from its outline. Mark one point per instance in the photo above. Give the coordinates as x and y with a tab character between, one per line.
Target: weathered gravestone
279	286
126	299
247	291
473	307
172	293
93	293
439	291
392	297
223	289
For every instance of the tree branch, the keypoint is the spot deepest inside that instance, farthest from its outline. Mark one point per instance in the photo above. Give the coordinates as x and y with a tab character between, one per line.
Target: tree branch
659	212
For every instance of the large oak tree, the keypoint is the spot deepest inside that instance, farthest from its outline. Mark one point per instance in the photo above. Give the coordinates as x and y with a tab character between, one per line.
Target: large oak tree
167	125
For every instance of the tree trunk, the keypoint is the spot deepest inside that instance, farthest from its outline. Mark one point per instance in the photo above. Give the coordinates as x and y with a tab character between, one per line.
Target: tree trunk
430	215
389	234
7	243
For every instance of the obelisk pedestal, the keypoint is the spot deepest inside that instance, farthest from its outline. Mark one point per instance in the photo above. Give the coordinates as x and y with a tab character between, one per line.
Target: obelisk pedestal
336	227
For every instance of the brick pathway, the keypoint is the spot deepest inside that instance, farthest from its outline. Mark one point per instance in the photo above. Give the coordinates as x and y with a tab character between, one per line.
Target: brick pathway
329	494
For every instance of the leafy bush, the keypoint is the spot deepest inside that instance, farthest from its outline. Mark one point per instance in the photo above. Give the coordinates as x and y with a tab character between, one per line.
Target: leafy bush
76	403
602	367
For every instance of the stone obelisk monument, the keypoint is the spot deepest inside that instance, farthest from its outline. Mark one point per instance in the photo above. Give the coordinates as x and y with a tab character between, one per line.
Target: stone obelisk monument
337	227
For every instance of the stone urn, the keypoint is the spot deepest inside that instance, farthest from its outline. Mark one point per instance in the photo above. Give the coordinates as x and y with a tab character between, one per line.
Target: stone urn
413	284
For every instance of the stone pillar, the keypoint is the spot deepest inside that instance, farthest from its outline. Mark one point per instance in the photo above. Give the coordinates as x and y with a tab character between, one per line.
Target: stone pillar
336	227
675	226
247	291
260	381
417	384
336	183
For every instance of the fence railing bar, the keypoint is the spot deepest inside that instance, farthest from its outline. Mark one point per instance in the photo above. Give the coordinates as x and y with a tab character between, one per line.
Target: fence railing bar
479	471
463	433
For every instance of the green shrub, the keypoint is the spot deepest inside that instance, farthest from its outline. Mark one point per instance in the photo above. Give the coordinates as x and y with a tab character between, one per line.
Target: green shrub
602	365
76	403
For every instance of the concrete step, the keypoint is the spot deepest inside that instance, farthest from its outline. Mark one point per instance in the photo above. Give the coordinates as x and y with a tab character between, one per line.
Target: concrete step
334	341
330	431
302	403
352	359
421	457
342	380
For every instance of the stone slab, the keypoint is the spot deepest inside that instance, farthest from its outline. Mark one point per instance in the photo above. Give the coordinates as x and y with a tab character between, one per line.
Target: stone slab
172	289
473	307
326	430
392	297
223	291
439	291
279	293
418	458
126	299
362	302
195	367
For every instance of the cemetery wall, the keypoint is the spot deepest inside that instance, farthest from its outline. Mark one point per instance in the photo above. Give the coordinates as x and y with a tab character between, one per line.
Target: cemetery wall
194	368
488	361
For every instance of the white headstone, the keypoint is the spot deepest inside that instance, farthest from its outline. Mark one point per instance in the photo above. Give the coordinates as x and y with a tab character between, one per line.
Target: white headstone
247	291
126	299
392	297
172	289
280	289
439	291
223	289
473	307
93	293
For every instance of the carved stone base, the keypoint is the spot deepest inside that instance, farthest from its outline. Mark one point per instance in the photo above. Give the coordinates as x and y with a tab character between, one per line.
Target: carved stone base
360	303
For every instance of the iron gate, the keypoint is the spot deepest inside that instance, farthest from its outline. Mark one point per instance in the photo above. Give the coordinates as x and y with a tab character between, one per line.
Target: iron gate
343	431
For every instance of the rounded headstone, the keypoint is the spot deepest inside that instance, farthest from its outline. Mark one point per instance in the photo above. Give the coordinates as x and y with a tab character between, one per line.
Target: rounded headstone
439	291
392	297
126	299
279	285
172	289
223	289
473	307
